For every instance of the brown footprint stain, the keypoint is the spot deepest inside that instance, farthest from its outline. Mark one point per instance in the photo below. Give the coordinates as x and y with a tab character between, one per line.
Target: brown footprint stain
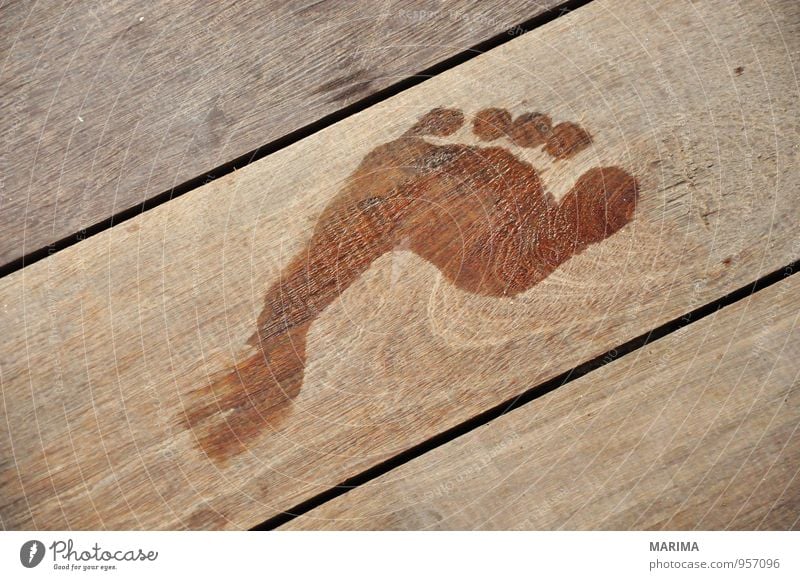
479	214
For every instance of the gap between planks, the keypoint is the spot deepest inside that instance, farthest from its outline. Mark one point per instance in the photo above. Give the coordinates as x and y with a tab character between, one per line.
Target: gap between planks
695	431
530	395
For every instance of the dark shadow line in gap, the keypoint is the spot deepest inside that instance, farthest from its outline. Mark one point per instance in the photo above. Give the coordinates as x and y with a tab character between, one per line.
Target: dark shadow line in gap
296	135
528	396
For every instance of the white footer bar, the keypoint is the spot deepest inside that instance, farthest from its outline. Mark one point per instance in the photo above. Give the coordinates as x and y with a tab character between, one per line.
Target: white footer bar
405	555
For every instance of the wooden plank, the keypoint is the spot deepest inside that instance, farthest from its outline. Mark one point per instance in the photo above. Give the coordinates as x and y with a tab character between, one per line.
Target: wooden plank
695	431
107	104
110	347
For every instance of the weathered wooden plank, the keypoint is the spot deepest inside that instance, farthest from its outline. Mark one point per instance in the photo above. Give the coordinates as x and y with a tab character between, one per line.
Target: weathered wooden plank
119	361
107	104
696	431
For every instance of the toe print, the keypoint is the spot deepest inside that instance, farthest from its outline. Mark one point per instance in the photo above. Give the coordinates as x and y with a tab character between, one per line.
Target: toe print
532	130
491	124
479	214
565	140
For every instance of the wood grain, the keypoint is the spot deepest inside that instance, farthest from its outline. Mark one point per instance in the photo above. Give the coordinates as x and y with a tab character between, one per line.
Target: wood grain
107	104
699	430
107	344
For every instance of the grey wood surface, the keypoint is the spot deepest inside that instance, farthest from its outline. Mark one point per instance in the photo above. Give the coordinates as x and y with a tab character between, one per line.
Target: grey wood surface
109	345
106	104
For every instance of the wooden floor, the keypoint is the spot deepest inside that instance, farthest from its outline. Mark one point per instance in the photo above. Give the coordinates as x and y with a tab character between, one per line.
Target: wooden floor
257	273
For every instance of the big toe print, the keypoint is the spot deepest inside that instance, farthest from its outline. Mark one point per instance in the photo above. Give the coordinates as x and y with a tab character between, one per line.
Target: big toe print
478	213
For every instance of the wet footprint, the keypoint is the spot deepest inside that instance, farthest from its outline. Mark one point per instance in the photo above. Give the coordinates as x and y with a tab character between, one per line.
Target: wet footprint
479	214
